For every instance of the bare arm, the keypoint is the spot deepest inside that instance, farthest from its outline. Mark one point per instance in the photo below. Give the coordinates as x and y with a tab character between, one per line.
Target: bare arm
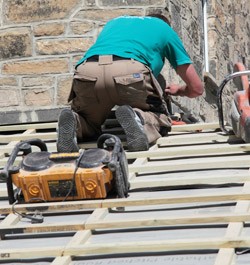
193	87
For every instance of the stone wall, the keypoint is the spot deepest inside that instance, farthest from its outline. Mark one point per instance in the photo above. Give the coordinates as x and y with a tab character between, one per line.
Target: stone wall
228	39
41	41
228	33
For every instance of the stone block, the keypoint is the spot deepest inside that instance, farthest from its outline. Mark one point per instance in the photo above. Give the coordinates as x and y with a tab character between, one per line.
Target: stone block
63	89
62	46
49	29
9	97
17	11
46	115
213	67
211	89
38	97
41	114
107	14
130	2
9	117
8	81
176	20
49	66
80	28
195	32
90	2
159	10
212	38
15	43
41	81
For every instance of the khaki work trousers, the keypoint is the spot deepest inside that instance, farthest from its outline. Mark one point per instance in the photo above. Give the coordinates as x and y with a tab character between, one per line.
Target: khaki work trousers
100	84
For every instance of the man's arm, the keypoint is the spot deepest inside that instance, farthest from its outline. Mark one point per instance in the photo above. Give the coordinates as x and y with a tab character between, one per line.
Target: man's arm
193	87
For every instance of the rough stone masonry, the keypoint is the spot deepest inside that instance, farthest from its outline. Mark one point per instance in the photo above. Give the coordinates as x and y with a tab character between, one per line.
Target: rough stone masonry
41	41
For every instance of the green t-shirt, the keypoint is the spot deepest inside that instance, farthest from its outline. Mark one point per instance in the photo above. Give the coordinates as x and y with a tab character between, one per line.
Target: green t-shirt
148	40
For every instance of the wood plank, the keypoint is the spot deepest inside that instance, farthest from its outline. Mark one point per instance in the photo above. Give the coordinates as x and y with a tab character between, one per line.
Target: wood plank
134	222
149	246
159	245
3	192
227	256
181	151
97	215
66	260
149	199
3	161
42	228
79	238
193	164
168	181
196	138
10	220
23	253
20	137
20	127
140	162
152	221
195	127
204	144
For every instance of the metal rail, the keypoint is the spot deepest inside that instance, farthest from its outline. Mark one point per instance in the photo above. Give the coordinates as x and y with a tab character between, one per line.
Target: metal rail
219	97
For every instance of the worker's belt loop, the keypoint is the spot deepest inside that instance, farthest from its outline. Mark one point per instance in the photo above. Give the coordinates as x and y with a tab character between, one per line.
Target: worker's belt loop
105	59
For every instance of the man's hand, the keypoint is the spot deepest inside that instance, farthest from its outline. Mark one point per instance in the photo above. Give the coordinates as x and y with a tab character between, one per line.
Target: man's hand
193	87
175	90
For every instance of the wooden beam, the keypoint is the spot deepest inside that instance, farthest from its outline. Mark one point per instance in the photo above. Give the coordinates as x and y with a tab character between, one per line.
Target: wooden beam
20	127
42	228
10	219
149	246
188	151
195	127
23	253
135	222
145	199
226	256
66	260
196	138
221	218
193	164
164	180
159	246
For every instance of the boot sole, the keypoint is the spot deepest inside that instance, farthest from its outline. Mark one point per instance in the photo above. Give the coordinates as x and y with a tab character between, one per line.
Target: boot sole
136	139
66	132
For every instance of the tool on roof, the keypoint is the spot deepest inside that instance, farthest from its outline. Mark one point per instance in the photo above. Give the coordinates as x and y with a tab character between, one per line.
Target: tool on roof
89	174
240	109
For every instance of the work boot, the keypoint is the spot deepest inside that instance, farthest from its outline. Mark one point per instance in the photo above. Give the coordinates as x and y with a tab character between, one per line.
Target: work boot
67	141
133	128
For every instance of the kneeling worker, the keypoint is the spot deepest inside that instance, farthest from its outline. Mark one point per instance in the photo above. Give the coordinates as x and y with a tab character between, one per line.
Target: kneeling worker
121	69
